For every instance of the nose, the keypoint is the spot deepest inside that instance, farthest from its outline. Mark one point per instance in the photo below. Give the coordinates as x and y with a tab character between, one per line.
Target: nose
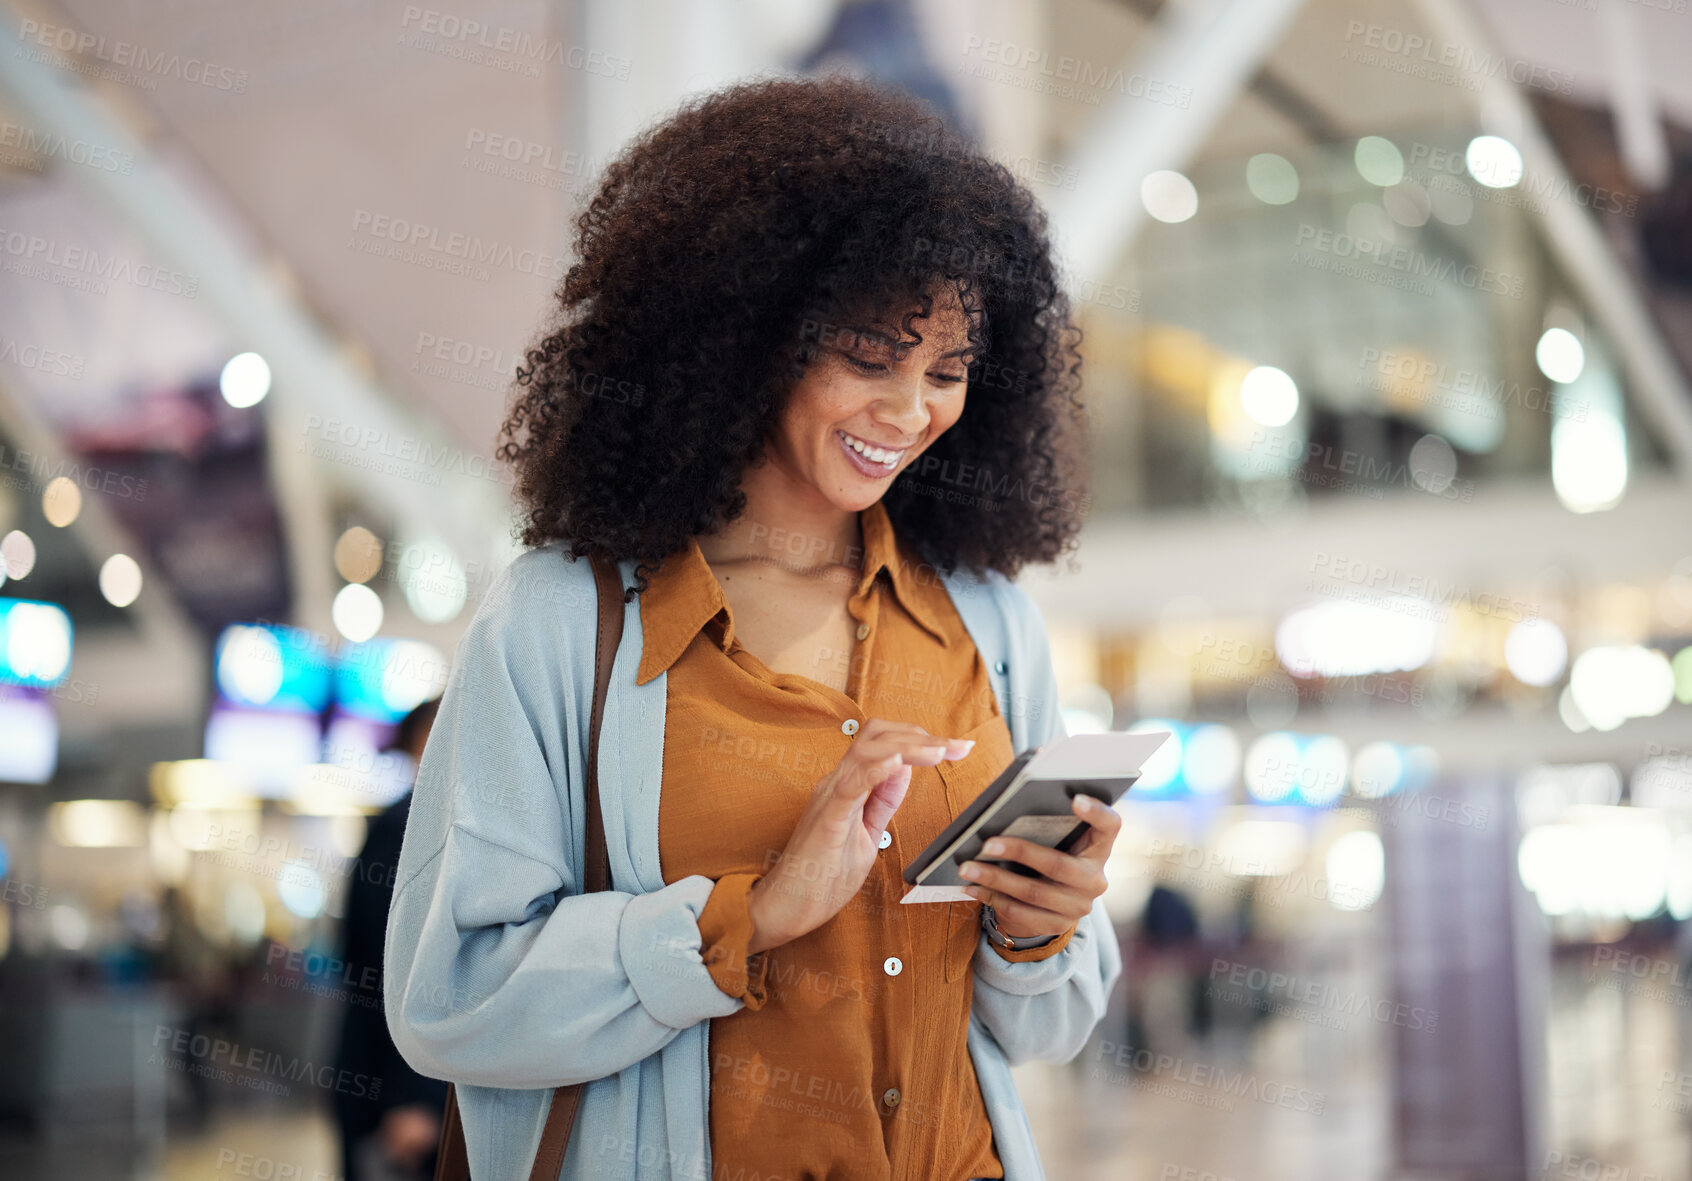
903	407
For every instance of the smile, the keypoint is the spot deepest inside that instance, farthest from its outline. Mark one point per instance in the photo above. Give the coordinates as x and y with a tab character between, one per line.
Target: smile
873	461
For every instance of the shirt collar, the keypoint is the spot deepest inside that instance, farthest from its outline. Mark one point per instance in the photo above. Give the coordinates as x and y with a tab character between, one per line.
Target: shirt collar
917	585
682	595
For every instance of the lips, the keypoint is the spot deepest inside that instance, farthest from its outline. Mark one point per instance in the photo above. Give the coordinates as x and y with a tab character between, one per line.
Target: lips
872	461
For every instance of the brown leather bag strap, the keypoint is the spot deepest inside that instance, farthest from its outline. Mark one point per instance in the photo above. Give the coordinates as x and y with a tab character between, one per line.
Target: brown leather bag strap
555	1136
453	1162
597	858
452	1157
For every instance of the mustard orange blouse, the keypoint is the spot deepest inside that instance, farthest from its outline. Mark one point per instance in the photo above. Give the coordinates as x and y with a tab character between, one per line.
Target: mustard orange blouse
849	1058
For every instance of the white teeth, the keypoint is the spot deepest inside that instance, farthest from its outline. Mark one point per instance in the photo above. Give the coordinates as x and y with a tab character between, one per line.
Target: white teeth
873	454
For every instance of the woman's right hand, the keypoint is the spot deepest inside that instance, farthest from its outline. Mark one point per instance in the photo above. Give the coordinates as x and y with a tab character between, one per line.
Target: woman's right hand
835	842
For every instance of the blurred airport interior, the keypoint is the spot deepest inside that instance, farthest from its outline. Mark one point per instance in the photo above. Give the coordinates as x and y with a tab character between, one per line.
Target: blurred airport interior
1388	337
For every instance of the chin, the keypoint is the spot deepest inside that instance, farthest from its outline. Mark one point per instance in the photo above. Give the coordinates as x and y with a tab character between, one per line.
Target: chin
855	501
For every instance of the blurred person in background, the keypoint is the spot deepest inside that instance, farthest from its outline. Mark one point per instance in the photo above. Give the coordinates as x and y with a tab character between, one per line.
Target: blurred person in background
805	319
391	1135
206	979
1165	988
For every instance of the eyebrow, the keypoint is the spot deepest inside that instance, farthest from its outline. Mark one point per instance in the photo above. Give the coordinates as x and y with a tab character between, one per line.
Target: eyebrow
890	341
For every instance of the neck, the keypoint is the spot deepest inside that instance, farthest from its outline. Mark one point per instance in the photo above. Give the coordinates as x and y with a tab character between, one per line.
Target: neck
786	521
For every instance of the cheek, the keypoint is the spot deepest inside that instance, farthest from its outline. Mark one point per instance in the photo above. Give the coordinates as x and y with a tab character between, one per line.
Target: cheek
822	398
943	416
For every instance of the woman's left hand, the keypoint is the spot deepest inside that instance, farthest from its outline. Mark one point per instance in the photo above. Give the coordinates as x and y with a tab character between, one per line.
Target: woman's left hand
1029	907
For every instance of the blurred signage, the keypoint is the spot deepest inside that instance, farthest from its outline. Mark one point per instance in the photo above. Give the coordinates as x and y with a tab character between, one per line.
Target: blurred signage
35	643
305	722
29	736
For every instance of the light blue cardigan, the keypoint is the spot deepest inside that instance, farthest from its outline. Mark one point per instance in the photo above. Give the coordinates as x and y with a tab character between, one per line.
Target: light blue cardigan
503	980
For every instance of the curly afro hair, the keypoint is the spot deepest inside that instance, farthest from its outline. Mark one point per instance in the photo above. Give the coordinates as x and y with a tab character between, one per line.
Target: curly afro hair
728	245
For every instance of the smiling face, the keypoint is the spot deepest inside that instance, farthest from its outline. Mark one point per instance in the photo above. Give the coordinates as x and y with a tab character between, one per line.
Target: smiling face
864	411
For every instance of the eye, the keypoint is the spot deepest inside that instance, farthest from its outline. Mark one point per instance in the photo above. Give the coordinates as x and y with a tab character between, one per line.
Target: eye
863	366
951	378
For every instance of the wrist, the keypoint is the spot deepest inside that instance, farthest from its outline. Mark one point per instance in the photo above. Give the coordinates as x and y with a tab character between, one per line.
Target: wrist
1009	937
764	930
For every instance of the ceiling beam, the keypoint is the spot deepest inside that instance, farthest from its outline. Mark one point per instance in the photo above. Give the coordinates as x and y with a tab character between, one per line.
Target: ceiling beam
1211	48
1574	238
314	379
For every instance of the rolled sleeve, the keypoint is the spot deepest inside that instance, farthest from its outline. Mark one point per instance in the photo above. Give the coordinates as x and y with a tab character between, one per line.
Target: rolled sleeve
725	932
1044	1009
660	944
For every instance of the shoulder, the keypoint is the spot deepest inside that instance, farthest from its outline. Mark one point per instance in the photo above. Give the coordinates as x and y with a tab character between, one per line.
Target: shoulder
546	576
543	604
994	592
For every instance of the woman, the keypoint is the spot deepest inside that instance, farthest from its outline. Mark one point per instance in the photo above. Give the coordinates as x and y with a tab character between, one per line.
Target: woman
813	386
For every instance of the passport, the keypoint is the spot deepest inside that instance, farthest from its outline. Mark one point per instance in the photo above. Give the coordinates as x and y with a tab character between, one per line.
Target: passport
1031	799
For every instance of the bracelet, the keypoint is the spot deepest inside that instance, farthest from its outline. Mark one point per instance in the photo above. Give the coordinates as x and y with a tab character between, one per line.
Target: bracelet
990	924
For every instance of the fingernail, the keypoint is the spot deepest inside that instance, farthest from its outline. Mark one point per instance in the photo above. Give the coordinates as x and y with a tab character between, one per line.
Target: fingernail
976	892
994	848
969	871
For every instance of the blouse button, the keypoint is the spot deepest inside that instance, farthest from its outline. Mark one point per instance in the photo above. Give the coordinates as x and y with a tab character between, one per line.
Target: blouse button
886	839
891	1096
863	631
1001	667
849	727
892	966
